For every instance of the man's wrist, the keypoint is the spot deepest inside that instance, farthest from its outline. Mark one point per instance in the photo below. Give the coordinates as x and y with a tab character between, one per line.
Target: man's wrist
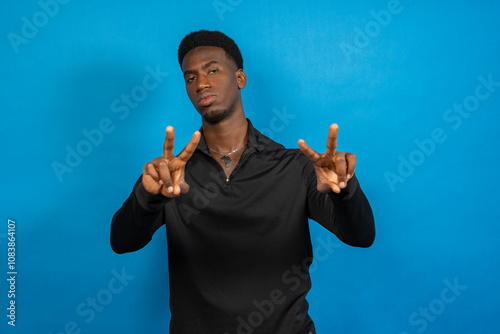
148	201
348	191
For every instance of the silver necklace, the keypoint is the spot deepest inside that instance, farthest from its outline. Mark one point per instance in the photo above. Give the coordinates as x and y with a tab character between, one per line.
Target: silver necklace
225	156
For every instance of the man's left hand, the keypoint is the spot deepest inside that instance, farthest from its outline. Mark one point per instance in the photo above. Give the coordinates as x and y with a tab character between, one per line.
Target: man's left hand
333	168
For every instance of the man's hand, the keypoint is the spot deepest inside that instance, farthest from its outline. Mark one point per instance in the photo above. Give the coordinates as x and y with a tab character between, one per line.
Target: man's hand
165	174
333	168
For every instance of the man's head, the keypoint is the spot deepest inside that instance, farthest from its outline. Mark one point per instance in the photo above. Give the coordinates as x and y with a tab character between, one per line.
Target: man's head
210	38
213	73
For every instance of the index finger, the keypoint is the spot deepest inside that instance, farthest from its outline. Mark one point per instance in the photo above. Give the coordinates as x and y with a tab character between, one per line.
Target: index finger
168	145
331	142
308	152
188	151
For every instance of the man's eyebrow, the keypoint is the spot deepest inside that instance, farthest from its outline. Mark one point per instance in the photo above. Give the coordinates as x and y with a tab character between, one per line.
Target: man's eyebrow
203	67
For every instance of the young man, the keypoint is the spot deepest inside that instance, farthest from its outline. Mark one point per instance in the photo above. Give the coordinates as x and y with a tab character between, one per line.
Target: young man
236	206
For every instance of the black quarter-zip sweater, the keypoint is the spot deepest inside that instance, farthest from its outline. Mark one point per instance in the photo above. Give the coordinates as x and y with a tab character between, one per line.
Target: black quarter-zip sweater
239	249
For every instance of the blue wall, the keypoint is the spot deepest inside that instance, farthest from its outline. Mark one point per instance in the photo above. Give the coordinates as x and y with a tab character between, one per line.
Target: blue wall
413	85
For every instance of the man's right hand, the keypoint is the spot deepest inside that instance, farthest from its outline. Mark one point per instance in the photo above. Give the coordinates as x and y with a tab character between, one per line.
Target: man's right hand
165	174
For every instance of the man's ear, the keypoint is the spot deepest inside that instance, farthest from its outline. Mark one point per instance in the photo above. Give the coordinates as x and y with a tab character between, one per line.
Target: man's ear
241	77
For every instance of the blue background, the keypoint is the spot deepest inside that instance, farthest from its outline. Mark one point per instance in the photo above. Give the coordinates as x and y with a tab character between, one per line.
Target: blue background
436	207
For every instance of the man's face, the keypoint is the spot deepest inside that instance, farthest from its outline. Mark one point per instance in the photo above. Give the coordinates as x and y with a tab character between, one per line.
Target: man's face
213	82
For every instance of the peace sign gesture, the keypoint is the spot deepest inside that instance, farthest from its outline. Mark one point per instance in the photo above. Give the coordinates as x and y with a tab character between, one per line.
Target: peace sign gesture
165	174
333	168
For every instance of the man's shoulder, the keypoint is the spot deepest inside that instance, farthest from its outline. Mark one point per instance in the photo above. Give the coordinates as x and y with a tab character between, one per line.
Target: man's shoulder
264	143
278	150
270	147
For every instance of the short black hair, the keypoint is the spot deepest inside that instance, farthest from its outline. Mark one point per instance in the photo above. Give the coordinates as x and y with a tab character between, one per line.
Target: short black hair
210	38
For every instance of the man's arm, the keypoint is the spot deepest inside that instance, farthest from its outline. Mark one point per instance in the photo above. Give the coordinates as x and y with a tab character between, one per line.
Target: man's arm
335	198
134	224
162	179
348	214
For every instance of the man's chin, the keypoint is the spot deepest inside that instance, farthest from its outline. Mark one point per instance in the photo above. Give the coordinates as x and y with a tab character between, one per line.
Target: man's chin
216	116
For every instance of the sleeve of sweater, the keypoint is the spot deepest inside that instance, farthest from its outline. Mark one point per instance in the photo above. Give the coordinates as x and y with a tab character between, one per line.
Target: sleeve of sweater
134	224
348	214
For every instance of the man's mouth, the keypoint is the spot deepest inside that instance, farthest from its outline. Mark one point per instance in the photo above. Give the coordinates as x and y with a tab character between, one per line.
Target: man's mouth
206	99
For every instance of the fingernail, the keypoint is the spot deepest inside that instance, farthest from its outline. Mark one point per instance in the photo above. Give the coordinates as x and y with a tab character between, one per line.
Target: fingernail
170	189
160	182
342	184
348	176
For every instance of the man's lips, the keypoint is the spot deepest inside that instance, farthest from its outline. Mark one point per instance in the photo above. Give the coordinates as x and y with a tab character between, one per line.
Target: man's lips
206	99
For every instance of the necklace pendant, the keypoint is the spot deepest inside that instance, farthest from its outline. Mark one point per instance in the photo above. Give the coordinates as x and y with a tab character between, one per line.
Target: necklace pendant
226	160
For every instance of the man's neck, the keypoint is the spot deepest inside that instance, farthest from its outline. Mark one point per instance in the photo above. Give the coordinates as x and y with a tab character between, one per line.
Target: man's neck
228	134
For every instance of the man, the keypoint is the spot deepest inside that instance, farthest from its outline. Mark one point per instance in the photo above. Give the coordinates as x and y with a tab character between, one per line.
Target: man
236	207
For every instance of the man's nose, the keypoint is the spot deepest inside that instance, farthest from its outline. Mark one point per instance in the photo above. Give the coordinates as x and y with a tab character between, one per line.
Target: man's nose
203	82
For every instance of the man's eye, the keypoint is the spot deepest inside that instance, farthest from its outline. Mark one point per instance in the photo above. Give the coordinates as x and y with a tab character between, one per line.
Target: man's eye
214	70
190	79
